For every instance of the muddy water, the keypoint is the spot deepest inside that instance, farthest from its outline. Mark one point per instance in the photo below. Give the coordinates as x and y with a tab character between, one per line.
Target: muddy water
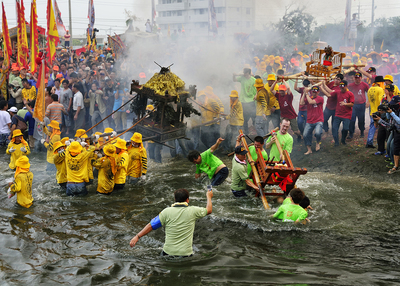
353	238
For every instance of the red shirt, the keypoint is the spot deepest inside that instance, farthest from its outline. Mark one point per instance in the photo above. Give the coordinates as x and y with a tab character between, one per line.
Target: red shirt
331	102
286	106
315	112
343	111
302	107
359	92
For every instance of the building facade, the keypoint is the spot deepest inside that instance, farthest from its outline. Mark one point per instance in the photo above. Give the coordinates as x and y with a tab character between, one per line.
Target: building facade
191	16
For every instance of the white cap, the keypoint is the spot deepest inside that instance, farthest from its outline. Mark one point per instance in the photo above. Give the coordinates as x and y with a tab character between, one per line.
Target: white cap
13	109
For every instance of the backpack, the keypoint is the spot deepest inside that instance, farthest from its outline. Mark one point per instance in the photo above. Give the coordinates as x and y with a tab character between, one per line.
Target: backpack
21	124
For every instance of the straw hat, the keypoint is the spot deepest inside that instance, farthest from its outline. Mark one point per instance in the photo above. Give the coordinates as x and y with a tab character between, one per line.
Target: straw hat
75	147
17	133
234	93
54	124
271	77
109	150
136	137
80	133
58	145
108	130
121	144
259	83
23	162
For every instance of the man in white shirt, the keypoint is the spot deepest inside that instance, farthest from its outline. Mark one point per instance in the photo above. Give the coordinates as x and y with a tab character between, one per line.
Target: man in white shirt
78	107
5	123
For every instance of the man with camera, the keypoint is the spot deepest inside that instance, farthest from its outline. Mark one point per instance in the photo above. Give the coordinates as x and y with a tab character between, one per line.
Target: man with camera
393	124
15	92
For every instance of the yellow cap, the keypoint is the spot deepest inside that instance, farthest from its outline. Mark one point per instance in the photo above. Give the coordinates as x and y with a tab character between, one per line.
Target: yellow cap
54	124
259	83
150	107
136	137
271	77
108	130
64	139
23	162
75	147
109	150
234	93
388	77
80	133
58	145
16	133
121	144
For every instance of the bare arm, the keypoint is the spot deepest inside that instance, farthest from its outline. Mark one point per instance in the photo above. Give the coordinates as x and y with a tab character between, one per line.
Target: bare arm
272	88
326	88
143	232
287	86
309	99
302	99
215	146
209	202
327	93
295	87
365	73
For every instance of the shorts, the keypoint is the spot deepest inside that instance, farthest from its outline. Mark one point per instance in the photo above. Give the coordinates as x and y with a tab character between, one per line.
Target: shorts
76	189
239	194
220	177
294	125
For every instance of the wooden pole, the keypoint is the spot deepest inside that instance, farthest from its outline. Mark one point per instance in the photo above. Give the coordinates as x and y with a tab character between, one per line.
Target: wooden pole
255	172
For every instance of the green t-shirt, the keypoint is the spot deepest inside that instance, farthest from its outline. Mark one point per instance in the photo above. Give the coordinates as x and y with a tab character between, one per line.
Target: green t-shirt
291	213
209	163
286	142
254	156
239	175
247	90
179	227
286	201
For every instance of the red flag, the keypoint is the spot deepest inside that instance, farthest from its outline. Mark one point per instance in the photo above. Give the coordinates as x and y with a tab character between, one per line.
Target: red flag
34	37
6	39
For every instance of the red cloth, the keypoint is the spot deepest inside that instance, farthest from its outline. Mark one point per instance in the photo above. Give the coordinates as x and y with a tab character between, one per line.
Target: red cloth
79	51
331	102
302	107
286	106
343	111
359	92
315	112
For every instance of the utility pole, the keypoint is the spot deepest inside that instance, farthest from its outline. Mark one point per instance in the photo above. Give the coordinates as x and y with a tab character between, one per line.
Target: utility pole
372	24
359	11
70	23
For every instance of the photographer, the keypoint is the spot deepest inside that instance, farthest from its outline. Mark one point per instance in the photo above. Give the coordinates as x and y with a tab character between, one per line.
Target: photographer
16	94
394	126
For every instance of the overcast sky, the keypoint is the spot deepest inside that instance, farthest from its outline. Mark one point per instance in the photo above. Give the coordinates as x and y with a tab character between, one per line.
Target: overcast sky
110	13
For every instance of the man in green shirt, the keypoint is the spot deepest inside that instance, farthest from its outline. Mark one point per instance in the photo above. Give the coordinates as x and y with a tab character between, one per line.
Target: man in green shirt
208	163
240	177
179	221
258	144
247	93
284	138
292	212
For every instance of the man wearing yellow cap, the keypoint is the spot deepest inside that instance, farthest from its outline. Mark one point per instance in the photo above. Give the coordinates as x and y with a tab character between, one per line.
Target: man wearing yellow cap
235	118
53	133
122	164
17	147
107	167
210	110
22	184
275	111
262	100
59	162
389	80
246	95
137	167
77	173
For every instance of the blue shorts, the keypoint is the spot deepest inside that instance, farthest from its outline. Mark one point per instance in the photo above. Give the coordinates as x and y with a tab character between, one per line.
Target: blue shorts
220	177
76	189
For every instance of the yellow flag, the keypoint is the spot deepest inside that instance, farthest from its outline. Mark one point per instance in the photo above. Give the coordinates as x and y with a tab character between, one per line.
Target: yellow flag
52	32
39	111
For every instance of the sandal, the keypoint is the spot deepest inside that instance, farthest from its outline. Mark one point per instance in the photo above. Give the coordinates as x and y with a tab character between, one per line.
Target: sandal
393	170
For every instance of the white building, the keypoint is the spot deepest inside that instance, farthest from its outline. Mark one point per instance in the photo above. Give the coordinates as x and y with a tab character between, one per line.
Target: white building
233	16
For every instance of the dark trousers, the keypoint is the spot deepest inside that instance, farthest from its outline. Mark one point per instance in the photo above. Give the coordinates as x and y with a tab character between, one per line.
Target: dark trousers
381	138
220	177
345	129
328	114
301	120
249	111
358	113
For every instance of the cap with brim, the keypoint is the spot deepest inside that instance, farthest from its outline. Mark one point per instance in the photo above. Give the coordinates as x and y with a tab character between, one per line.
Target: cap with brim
108	130
234	94
59	76
315	88
343	84
75	147
259	83
150	107
56	68
16	133
81	133
389	87
136	137
121	144
13	109
64	139
357	74
54	124
388	77
271	77
109	150
282	87
395	100
87	68
58	145
23	162
240	150
371	69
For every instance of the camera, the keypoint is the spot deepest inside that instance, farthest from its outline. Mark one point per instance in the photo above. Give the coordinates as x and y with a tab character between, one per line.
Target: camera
96	30
376	114
383	107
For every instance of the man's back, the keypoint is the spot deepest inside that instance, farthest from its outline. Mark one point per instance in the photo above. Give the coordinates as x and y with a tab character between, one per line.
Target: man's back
54	111
179	222
291	213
